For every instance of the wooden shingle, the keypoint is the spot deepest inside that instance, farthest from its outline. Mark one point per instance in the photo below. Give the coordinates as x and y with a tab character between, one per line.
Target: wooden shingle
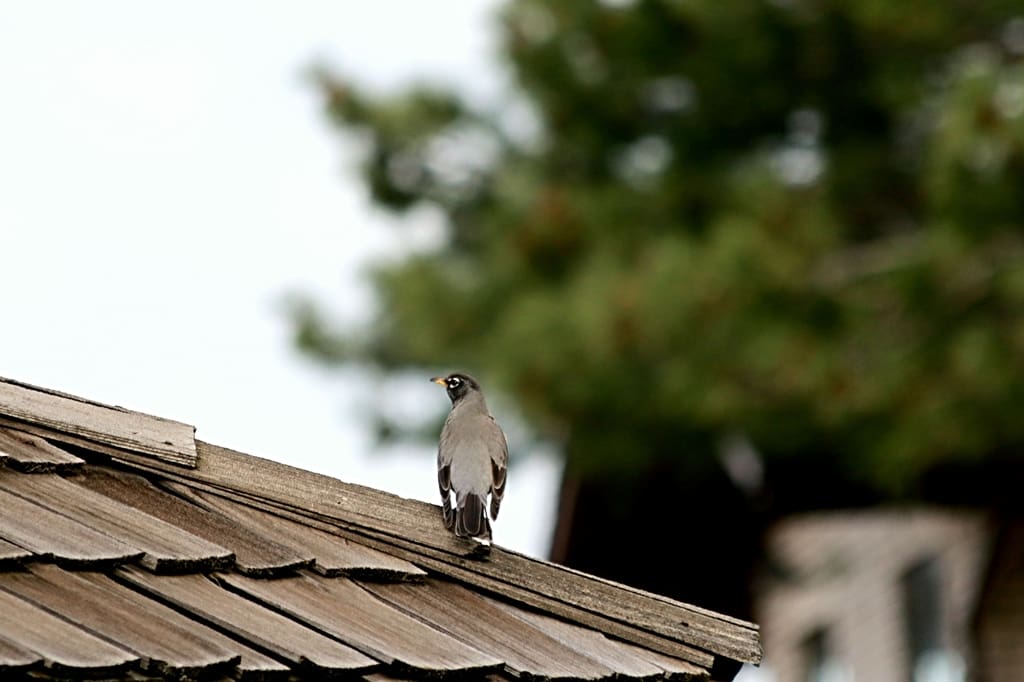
12	556
247	621
53	536
168	643
527	651
167	548
81	421
15	659
244	568
64	648
344	610
335	555
254	554
413	531
30	453
629	659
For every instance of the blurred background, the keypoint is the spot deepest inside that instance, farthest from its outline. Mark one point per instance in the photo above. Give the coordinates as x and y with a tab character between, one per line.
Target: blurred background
744	281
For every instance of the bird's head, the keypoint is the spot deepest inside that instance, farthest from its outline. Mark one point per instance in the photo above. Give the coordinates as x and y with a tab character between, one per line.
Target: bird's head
457	385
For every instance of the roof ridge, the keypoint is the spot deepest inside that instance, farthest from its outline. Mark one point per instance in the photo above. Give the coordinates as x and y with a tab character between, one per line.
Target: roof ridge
412	530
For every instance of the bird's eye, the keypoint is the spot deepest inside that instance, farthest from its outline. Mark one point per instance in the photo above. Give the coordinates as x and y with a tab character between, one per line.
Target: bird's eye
454	381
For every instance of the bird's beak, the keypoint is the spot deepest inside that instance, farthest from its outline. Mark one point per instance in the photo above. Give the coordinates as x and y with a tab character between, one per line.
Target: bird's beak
440	381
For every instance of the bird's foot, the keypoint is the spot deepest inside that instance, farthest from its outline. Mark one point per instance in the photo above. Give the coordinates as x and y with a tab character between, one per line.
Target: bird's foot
481	547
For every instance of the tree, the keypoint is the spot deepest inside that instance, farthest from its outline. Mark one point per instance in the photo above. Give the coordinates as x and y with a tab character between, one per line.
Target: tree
799	222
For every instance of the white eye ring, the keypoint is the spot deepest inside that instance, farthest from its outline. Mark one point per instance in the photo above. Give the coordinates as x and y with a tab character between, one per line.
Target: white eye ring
454	381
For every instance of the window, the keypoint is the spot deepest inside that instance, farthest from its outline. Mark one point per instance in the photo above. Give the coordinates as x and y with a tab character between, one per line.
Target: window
929	660
820	661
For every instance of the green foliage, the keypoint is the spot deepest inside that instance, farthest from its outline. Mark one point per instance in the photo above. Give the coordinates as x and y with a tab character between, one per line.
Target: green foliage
802	221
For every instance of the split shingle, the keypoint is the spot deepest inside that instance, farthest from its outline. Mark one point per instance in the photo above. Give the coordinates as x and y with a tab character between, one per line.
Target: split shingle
30	453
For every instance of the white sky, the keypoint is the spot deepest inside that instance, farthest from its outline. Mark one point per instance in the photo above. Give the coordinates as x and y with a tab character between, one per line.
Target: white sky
166	175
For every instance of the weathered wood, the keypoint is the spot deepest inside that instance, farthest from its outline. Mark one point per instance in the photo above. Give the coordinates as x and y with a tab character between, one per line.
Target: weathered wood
526	593
246	620
413	531
465	570
527	651
367	624
29	453
65	648
254	554
164	439
167	547
12	555
459	568
276	513
675	669
384	677
15	659
335	556
171	644
360	505
632	660
57	537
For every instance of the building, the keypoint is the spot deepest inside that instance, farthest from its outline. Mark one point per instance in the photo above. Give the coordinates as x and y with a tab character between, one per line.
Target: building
916	594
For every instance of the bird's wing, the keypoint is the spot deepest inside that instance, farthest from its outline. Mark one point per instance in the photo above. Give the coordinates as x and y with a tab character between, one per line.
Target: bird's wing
444	480
499	467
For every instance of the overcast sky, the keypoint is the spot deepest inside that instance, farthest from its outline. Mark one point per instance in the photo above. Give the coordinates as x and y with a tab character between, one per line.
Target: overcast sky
166	175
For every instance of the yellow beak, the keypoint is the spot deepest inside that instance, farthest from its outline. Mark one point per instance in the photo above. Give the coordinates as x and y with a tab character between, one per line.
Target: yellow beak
441	381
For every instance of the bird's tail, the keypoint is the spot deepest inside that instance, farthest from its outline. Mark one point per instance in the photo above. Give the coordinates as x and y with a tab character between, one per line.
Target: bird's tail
471	518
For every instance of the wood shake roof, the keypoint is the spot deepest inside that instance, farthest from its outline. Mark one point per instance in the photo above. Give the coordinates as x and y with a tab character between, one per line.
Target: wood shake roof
131	550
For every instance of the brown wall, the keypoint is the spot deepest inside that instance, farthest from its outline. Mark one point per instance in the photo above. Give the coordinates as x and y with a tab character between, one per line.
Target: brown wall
999	643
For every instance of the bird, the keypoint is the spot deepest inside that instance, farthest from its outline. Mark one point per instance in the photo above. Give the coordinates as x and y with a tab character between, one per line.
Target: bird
472	459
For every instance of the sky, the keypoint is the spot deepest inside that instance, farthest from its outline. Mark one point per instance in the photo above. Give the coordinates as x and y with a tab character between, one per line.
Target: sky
168	175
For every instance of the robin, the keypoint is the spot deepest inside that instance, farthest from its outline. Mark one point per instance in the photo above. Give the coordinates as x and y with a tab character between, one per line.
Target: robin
472	458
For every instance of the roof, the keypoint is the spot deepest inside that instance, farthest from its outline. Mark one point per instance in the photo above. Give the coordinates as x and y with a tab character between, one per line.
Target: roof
128	549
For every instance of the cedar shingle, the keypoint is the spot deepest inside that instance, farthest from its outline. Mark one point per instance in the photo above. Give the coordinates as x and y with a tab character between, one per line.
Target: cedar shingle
86	421
170	643
277	519
468	617
64	647
14	658
250	622
335	555
55	536
344	610
412	530
254	554
12	556
628	659
167	547
30	453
